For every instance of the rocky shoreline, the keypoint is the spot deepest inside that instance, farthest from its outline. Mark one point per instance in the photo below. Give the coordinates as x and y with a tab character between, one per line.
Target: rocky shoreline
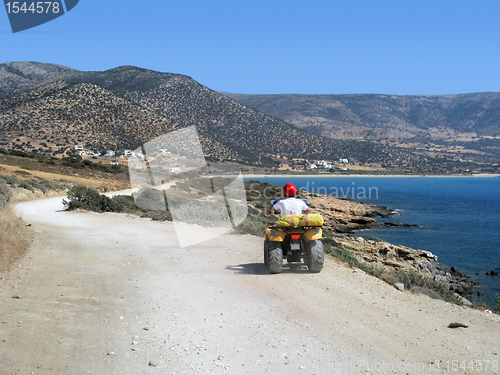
343	217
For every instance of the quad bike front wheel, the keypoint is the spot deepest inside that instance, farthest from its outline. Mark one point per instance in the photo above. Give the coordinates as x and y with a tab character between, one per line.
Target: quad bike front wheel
315	256
275	257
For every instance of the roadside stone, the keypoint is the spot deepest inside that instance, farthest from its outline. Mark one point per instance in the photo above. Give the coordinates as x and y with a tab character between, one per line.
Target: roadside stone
400	287
457	325
464	300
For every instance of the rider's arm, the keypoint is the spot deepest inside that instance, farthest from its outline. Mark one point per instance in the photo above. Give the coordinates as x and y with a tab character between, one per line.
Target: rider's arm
274	209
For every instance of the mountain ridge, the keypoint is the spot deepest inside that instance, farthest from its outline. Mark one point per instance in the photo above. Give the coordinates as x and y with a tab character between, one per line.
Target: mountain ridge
231	131
384	117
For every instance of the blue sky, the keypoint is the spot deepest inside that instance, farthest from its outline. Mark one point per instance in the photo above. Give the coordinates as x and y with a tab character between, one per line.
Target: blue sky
402	47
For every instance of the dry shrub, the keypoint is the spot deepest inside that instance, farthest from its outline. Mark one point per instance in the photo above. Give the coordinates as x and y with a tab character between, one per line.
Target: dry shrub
389	279
13	244
428	292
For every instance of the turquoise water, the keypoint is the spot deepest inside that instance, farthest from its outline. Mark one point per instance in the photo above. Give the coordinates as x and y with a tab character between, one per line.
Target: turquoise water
459	217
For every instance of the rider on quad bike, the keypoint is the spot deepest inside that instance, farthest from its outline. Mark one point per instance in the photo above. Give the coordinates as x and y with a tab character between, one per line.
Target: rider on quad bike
290	205
296	236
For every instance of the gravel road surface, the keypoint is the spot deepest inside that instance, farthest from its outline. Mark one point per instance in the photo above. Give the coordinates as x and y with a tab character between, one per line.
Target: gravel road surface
115	294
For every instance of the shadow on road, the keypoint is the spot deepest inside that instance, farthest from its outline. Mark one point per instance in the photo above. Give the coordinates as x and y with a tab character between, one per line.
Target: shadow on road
260	269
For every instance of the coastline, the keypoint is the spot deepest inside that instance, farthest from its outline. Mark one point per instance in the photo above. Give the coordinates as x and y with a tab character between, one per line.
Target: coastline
343	218
254	175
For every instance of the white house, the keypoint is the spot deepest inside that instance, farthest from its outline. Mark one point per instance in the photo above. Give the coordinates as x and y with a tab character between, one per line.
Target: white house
175	170
110	153
328	166
78	147
321	162
344	161
313	166
127	152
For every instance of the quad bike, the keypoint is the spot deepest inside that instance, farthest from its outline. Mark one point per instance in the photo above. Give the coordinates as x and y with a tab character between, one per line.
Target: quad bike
295	243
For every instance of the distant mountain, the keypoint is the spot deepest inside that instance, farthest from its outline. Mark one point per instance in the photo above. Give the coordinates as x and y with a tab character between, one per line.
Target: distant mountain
452	118
127	106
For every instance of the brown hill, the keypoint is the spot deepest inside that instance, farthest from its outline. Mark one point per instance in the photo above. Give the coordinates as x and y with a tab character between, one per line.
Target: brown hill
385	117
458	127
117	99
55	117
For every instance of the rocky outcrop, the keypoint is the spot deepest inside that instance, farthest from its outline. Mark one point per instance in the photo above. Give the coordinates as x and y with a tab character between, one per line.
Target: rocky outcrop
343	217
386	256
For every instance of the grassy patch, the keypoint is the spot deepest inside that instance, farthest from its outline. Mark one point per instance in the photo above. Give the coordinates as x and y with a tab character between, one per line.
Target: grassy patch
333	248
32	184
12	243
5	193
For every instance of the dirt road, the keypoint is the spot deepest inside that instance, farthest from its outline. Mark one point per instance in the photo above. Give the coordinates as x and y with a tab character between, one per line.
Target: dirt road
114	294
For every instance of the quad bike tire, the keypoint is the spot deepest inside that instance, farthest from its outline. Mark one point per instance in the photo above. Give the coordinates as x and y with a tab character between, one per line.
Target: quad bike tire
315	256
266	252
275	257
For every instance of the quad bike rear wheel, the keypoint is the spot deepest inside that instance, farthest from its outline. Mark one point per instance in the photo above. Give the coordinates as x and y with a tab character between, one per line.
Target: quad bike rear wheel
266	252
315	256
275	257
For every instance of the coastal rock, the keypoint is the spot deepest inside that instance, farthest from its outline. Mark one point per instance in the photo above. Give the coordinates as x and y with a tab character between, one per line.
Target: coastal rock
464	300
343	217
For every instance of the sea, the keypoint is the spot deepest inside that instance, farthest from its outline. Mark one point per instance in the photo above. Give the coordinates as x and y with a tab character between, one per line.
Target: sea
458	218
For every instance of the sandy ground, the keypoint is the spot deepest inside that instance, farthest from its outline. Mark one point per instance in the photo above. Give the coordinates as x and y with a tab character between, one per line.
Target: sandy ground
115	294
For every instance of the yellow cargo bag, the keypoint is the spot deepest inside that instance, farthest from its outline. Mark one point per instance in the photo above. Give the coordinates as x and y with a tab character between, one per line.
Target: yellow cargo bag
300	220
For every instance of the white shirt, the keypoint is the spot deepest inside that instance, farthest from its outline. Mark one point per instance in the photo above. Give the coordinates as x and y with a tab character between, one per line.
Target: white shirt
290	205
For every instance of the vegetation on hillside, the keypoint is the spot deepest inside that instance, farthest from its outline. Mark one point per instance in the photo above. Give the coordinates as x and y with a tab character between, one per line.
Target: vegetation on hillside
127	106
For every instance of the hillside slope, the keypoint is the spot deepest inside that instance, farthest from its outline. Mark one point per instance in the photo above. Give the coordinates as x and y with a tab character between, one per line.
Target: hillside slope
245	134
53	118
386	117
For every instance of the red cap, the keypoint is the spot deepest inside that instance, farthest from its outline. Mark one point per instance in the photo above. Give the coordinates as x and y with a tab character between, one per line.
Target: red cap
289	190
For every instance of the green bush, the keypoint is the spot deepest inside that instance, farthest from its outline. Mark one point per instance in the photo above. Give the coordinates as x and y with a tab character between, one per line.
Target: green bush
158	215
25	185
88	199
126	202
150	199
10	180
5	193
